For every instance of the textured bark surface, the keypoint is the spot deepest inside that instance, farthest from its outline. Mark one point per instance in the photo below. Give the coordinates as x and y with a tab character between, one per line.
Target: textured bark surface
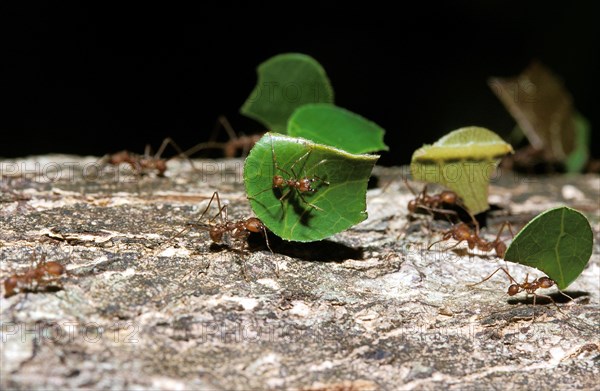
370	308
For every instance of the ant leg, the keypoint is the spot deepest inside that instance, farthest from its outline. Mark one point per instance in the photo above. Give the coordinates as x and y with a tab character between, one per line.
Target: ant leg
318	177
264	190
190	225
275	165
490	276
202	146
176	147
409	186
447	235
215	195
505	224
243	261
308	203
301	158
565	295
267	239
227	126
547	297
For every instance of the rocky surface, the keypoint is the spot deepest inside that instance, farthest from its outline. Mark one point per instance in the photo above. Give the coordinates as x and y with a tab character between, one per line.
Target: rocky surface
370	308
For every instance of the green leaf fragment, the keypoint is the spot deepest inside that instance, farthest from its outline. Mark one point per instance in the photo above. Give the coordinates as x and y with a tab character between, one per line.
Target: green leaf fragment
336	206
328	124
558	242
286	82
464	160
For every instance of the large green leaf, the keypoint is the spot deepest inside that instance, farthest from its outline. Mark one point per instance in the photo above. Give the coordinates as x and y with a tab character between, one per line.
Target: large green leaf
286	82
557	242
328	124
333	208
464	161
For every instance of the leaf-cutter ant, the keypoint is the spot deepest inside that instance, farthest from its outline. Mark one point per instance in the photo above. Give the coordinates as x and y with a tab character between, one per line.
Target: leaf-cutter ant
146	163
41	276
239	231
529	287
301	185
461	232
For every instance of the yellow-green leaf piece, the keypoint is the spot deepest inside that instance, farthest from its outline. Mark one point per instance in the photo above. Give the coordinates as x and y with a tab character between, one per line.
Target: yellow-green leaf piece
464	160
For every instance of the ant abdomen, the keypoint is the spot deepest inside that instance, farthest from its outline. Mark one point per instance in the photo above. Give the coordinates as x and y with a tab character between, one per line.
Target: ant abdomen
513	290
448	197
10	284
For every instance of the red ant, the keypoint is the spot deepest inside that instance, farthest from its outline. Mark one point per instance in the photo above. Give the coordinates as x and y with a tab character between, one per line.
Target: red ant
141	164
432	203
231	147
528	287
461	233
41	277
301	185
238	230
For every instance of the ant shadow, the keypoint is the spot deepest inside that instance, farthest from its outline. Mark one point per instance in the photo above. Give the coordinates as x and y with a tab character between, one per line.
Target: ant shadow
547	299
321	251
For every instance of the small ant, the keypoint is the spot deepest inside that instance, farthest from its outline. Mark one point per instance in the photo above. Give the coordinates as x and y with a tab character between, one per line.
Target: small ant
230	148
528	287
301	185
41	277
142	164
461	233
238	230
432	203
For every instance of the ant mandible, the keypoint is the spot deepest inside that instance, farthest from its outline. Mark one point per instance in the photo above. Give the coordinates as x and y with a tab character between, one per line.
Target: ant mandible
529	288
141	164
302	185
35	279
462	233
238	230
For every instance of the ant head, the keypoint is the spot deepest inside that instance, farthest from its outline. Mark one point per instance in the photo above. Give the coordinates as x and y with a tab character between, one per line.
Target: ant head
54	268
278	181
161	166
412	206
305	185
500	249
10	284
448	197
216	235
545	282
513	290
255	225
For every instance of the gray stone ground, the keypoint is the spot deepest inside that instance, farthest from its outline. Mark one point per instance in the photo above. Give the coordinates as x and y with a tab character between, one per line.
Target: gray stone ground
368	309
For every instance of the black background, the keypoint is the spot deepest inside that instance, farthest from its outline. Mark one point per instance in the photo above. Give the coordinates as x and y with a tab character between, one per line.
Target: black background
86	79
